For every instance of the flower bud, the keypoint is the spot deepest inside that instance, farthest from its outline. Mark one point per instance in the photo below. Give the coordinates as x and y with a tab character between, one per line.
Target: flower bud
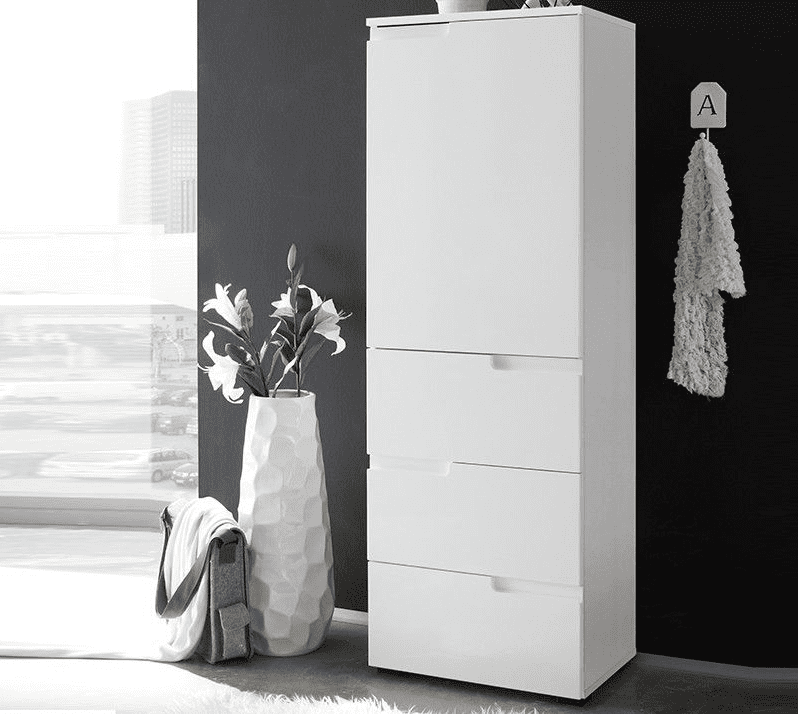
244	311
291	257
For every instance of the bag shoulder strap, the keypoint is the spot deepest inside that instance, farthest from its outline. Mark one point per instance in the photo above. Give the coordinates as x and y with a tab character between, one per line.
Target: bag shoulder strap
184	592
160	593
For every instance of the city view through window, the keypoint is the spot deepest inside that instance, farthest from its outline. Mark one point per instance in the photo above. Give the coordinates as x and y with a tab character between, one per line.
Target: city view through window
98	322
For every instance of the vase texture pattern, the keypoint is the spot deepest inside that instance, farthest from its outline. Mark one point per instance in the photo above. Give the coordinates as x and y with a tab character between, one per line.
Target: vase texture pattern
283	512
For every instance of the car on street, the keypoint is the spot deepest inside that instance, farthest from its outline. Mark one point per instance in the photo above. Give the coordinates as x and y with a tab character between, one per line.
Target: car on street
192	427
163	461
186	474
172	423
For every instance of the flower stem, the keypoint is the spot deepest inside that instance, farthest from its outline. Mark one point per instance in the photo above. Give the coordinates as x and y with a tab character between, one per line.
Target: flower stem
256	357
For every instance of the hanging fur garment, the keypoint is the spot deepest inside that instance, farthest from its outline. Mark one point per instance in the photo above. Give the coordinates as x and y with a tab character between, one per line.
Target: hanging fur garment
708	262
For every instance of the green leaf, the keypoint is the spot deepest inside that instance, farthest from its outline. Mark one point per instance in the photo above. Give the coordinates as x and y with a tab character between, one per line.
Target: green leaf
277	354
239	354
304	344
286	347
289	366
308	322
287	321
310	353
231	330
285	329
298	276
252	380
304	302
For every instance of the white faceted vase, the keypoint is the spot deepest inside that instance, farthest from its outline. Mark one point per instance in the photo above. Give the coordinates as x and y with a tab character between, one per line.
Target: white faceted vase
282	509
445	6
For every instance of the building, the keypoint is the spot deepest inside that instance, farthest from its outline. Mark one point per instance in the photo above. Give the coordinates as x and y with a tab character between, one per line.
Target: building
159	162
135	186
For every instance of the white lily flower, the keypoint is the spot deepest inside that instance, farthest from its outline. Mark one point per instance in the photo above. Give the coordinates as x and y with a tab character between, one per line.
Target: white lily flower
326	325
223	305
222	372
283	305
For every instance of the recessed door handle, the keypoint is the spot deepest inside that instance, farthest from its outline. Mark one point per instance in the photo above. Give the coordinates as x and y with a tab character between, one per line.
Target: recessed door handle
533	587
522	363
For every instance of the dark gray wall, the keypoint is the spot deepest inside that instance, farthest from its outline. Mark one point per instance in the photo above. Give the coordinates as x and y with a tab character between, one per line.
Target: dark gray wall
282	159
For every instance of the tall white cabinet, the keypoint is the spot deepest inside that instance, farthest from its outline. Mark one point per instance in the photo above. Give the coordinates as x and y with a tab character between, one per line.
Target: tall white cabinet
500	333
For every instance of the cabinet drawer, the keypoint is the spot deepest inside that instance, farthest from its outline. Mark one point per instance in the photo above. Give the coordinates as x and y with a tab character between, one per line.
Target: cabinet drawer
492	410
513	523
476	628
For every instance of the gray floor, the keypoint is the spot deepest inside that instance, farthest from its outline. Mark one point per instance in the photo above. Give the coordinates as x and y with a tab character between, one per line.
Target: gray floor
646	685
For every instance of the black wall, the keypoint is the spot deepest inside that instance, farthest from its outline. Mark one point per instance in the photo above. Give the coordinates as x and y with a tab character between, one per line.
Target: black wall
282	159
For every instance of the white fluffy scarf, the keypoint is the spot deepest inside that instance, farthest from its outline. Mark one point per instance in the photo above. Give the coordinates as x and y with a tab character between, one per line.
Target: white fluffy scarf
708	262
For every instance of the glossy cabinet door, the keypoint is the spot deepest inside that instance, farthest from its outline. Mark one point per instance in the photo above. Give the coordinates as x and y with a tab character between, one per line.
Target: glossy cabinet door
474	188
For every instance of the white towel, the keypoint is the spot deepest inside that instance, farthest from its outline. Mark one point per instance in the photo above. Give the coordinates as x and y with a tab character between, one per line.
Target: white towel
194	523
708	262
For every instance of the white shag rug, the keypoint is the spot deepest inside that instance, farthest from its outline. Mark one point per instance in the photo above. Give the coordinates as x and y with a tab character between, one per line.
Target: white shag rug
233	701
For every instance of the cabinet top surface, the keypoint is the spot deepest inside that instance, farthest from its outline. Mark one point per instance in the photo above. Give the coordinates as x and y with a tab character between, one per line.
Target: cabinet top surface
529	13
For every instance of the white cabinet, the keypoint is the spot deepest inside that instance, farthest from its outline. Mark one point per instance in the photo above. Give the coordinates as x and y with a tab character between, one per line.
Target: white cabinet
500	333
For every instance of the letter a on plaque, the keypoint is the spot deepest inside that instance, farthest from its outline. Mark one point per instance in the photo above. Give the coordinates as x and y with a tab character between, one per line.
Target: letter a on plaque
708	106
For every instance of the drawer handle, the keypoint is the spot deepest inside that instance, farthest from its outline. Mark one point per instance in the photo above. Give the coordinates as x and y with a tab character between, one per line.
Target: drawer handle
532	587
518	363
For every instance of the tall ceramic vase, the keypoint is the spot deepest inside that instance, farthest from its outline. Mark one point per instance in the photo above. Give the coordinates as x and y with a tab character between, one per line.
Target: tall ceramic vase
283	512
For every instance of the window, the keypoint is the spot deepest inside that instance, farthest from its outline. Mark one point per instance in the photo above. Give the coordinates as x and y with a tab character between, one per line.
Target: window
97	385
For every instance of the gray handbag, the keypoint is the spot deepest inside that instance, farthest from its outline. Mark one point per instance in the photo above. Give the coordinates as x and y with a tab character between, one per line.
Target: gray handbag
226	634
